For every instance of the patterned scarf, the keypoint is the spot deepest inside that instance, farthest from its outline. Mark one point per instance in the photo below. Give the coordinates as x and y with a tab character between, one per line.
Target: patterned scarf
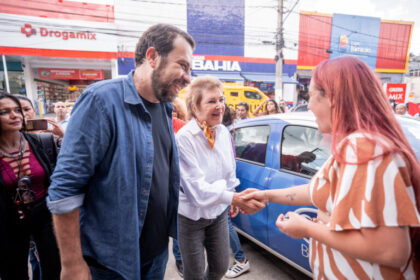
209	132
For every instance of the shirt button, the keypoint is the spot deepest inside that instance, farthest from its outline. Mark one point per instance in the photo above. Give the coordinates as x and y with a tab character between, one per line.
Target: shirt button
144	191
147	167
141	214
149	142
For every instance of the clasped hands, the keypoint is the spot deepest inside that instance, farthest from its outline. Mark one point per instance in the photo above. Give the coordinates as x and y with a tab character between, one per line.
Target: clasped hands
249	201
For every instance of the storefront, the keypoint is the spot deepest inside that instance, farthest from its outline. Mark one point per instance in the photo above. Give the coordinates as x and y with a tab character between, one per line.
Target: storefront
51	55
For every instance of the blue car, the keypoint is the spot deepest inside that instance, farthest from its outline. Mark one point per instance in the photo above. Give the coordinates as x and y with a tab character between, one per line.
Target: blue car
280	151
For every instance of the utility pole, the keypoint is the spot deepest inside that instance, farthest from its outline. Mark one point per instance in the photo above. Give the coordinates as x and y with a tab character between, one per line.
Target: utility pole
279	54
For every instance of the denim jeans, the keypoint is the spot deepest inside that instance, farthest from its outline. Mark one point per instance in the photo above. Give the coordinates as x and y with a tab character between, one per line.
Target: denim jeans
155	268
211	235
175	250
36	267
235	244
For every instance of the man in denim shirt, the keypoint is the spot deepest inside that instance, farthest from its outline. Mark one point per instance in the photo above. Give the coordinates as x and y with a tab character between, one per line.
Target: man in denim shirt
114	192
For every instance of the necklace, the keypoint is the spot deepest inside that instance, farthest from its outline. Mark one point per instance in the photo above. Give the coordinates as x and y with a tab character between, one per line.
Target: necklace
22	147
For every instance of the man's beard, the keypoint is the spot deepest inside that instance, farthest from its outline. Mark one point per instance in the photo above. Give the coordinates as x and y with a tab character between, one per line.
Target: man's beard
161	89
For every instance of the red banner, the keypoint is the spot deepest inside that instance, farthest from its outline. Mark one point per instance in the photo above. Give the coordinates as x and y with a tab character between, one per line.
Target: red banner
70	74
413	108
396	92
314	39
393	45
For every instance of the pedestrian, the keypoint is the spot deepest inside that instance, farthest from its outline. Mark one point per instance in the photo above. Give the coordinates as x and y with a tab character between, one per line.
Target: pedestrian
208	181
271	107
114	193
242	111
29	113
367	192
401	109
60	111
283	107
26	166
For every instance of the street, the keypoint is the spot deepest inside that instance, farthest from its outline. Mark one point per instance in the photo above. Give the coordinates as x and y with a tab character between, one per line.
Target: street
263	265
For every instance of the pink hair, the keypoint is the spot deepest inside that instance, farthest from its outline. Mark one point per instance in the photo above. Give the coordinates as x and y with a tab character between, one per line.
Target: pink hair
358	103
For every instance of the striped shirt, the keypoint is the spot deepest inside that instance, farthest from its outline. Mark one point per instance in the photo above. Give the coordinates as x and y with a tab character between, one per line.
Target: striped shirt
367	195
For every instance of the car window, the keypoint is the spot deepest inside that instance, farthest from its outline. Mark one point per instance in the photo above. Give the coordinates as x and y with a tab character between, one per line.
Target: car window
304	149
252	95
233	93
251	143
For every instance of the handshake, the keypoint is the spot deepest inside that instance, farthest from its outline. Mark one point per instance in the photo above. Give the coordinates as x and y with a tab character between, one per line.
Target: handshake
249	201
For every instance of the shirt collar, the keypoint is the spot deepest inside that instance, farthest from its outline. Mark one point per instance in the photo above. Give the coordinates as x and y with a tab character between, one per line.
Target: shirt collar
132	96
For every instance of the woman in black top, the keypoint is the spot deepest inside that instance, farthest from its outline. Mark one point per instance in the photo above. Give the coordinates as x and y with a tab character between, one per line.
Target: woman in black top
26	163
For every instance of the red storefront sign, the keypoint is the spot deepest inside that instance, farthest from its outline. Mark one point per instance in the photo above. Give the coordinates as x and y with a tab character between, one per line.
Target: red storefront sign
91	74
396	92
70	74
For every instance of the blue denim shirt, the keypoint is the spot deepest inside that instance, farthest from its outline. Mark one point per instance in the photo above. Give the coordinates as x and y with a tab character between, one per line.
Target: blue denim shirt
105	167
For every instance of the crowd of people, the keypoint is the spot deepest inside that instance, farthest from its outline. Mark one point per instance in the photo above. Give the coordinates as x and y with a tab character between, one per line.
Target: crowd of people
137	166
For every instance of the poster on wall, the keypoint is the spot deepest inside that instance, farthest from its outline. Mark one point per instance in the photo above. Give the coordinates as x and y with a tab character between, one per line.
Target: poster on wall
397	92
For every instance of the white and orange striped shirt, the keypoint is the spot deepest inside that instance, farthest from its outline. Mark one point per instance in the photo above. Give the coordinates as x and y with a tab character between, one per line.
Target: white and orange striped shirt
367	195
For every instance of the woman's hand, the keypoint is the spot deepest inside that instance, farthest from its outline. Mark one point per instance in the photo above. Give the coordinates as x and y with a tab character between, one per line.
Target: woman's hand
247	206
56	130
323	217
234	211
294	225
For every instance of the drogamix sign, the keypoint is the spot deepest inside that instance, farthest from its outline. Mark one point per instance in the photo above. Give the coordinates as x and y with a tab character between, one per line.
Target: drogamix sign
29	31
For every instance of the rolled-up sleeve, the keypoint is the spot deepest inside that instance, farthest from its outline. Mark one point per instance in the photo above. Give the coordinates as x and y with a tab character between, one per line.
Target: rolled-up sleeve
84	145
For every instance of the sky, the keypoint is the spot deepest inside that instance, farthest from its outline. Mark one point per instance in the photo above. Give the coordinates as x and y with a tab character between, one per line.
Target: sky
404	10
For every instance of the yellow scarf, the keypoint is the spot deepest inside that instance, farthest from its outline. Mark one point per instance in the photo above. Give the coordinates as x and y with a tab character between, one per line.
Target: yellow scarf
209	132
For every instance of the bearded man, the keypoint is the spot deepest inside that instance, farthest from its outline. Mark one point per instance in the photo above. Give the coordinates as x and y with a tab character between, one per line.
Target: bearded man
114	192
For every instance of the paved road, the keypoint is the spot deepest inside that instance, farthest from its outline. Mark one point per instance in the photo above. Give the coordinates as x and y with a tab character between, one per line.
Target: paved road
264	265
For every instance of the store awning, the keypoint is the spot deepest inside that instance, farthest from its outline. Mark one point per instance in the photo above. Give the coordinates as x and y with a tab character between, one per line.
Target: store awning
267	78
260	77
223	76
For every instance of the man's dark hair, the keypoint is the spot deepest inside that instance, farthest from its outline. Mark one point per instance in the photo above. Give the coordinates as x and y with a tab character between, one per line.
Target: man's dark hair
245	105
161	37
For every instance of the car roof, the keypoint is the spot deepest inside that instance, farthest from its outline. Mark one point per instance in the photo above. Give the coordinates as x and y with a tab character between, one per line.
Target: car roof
301	118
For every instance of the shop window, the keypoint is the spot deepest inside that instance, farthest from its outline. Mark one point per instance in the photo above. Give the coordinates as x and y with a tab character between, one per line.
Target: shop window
252	95
251	143
16	82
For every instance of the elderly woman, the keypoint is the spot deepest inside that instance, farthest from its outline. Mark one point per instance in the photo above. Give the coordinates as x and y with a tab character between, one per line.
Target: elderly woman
367	192
208	182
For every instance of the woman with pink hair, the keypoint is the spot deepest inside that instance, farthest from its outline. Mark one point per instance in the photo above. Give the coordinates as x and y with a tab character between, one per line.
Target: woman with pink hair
367	192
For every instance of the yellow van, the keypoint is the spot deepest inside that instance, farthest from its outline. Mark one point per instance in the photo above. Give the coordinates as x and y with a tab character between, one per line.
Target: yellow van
236	93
